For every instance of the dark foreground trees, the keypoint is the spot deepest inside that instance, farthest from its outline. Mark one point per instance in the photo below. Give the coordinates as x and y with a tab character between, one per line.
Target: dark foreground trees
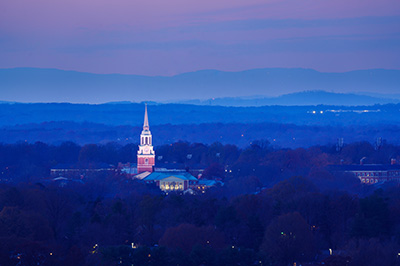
276	207
290	222
288	239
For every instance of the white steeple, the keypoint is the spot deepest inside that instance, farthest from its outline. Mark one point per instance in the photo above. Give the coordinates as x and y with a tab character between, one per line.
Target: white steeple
145	154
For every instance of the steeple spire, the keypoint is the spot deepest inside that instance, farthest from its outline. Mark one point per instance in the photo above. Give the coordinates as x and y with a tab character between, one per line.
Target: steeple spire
146	119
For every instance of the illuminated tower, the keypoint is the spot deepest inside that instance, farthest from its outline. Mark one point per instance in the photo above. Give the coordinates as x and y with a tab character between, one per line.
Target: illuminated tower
145	155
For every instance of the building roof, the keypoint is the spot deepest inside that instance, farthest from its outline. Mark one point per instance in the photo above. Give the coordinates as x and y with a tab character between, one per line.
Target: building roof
143	175
155	176
363	167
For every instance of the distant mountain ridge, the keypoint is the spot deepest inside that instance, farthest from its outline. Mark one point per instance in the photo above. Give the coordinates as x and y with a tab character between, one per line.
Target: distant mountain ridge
305	98
52	85
300	98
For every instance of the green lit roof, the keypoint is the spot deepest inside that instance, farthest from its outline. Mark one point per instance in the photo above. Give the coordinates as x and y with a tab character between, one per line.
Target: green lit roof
162	175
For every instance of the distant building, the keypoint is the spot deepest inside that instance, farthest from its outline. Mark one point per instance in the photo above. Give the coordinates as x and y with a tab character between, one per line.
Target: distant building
204	184
171	181
73	171
63	182
370	173
129	169
179	181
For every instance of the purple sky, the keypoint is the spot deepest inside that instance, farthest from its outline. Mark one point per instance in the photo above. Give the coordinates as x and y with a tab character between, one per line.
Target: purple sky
158	37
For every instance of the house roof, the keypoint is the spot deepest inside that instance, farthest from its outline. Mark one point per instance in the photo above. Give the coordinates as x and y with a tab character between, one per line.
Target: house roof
162	175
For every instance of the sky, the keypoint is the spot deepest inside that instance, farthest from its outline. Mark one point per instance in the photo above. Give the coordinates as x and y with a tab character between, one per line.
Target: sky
158	37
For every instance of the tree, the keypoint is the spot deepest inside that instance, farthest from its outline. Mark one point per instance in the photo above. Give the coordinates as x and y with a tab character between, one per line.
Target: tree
186	236
57	206
214	170
67	152
89	154
289	239
148	209
372	220
371	252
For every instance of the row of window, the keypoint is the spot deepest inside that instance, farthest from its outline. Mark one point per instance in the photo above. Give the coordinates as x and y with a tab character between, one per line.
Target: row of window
383	173
171	186
369	180
370	174
394	173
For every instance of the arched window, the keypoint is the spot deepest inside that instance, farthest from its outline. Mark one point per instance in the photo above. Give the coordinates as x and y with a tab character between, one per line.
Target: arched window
146	161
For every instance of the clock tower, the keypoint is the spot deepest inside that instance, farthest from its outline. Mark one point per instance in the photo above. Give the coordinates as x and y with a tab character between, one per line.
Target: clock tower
146	155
